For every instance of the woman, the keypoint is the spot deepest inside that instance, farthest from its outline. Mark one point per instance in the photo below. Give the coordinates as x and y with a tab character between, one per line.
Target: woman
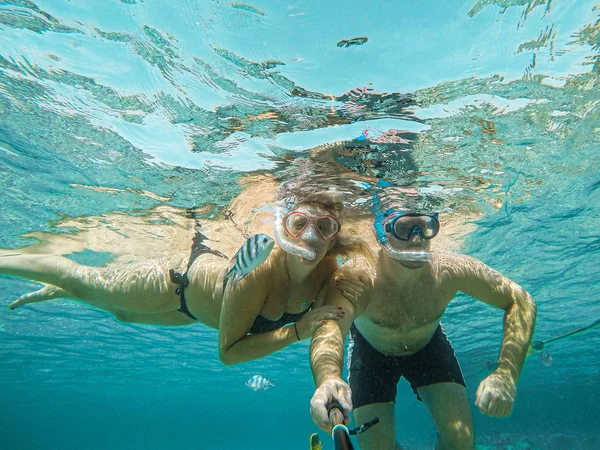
284	289
252	314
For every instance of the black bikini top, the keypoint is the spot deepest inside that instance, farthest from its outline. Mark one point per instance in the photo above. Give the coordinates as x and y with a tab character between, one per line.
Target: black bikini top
262	325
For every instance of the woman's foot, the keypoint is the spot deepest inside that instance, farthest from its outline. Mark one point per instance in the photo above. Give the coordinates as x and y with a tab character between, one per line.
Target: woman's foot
46	293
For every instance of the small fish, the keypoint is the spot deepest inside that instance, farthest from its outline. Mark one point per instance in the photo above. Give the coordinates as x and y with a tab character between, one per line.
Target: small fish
315	442
360	40
252	254
259	383
545	358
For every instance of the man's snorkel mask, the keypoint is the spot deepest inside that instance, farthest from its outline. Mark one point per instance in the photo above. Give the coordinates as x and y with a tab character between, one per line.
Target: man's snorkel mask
427	226
403	226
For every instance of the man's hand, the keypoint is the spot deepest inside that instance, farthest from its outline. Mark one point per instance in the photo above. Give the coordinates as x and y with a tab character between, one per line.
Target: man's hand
496	395
331	390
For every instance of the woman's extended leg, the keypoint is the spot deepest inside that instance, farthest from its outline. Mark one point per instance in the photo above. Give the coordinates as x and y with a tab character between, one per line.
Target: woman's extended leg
170	318
48	269
142	287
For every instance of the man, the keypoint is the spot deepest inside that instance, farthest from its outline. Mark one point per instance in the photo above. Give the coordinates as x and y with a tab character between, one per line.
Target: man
396	311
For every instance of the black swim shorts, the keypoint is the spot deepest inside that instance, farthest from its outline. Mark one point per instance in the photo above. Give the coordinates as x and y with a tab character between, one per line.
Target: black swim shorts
373	376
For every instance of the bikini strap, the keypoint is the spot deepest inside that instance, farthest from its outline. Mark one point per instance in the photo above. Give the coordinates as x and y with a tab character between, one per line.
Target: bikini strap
181	279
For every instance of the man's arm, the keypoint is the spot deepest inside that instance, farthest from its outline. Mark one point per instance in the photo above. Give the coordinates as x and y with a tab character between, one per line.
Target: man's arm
487	285
327	345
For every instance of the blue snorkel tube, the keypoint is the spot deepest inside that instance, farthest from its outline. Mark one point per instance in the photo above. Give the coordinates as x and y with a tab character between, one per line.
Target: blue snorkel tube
380	216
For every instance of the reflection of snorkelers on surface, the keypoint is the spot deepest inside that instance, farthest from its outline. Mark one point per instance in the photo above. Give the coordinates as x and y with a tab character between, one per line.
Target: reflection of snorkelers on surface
348	108
387	156
382	158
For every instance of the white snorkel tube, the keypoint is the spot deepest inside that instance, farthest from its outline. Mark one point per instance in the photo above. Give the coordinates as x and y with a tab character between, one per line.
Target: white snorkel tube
399	255
285	244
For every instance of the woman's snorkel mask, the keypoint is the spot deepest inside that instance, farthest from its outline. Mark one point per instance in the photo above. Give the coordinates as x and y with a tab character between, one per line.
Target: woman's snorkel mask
301	225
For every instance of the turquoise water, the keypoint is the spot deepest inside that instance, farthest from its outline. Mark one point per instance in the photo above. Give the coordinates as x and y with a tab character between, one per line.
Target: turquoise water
112	111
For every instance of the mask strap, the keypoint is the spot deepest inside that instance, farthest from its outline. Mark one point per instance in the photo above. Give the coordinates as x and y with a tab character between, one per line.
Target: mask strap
379	217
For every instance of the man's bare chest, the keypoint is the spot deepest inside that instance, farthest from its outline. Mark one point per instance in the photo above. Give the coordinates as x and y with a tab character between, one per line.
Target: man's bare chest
407	307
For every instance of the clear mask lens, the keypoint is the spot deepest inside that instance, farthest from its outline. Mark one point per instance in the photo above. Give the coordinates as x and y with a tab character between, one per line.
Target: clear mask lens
327	227
296	224
405	226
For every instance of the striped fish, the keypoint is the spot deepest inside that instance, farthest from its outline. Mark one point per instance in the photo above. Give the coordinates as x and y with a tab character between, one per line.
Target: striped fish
259	383
252	254
315	442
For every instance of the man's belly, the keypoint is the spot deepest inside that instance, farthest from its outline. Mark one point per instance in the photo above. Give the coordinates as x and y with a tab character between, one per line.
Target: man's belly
394	341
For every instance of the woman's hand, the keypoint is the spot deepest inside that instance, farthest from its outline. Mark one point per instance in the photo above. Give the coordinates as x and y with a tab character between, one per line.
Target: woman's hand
317	317
355	291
